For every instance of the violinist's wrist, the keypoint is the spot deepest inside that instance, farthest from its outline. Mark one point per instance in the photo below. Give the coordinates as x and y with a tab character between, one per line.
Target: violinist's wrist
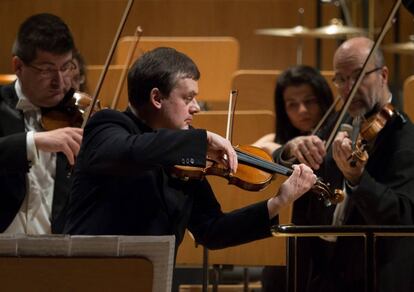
352	183
353	179
350	186
274	205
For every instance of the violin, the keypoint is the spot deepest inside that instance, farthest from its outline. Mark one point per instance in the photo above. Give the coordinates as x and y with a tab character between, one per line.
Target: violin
70	112
368	131
255	172
375	123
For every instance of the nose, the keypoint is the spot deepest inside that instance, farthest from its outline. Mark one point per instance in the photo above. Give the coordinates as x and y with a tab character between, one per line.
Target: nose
194	106
302	108
60	79
346	88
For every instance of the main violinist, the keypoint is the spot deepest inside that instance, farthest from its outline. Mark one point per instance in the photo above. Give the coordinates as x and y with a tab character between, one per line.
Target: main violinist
379	191
122	183
33	162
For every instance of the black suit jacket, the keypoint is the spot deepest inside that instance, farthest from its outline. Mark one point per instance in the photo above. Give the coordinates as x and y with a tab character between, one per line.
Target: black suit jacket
14	165
385	196
122	186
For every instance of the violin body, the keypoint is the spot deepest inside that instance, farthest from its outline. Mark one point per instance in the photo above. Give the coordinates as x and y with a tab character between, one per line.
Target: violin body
69	112
69	117
370	128
247	177
373	125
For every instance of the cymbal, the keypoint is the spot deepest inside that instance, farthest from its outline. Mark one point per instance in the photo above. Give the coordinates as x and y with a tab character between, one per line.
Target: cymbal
336	29
401	48
296	31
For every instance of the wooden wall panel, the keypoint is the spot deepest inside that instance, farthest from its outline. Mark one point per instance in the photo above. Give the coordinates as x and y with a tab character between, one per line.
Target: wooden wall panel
408	91
94	23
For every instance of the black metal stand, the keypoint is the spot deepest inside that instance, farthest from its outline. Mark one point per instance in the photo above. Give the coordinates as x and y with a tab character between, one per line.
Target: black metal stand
291	264
369	232
205	269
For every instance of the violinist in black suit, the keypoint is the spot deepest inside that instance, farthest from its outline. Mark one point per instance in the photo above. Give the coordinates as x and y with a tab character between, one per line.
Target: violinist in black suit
378	191
122	180
33	162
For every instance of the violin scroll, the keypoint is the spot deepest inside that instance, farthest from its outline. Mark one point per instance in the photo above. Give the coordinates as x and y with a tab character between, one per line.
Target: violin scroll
359	154
326	194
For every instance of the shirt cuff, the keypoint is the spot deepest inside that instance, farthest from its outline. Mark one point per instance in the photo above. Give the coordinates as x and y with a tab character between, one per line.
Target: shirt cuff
32	154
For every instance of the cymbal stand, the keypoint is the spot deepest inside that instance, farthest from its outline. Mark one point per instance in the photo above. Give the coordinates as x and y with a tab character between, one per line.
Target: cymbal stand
299	48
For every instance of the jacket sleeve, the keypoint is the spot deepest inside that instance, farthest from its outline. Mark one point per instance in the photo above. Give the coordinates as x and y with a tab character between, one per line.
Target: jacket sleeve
13	156
215	229
112	143
389	197
13	152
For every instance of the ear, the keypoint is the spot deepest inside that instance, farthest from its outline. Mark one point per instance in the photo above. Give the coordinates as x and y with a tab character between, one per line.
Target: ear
17	65
384	75
156	98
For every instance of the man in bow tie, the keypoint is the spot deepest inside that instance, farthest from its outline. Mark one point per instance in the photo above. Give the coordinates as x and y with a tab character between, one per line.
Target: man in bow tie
34	163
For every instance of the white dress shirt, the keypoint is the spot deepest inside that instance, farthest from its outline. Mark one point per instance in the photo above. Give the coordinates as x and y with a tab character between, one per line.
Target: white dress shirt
34	216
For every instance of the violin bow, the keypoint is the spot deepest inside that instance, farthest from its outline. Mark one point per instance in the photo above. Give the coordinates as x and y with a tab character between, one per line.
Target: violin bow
230	115
326	115
107	63
131	51
387	25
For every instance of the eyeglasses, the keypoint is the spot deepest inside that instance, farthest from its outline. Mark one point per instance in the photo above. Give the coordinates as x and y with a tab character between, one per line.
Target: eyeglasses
50	72
340	81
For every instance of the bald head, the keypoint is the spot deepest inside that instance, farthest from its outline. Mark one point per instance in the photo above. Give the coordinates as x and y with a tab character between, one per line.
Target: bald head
356	50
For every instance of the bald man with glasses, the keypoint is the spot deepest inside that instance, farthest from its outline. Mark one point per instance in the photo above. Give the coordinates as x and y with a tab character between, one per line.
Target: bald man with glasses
378	191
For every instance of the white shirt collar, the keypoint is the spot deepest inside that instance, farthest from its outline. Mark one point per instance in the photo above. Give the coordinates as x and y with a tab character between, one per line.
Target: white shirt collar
23	103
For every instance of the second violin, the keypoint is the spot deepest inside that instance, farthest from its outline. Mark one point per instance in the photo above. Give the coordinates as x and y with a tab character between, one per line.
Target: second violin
69	112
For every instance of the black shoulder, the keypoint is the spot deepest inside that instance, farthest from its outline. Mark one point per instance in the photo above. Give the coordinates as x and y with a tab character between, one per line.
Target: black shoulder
109	117
8	94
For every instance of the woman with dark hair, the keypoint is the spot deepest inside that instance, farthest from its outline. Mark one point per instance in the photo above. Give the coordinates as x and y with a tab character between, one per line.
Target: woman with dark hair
300	84
302	96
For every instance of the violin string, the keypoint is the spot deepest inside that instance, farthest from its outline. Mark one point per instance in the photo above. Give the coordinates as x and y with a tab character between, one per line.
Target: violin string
256	161
265	165
243	157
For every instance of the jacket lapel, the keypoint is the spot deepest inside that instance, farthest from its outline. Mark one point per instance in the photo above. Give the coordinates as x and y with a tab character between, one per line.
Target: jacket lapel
60	193
11	117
